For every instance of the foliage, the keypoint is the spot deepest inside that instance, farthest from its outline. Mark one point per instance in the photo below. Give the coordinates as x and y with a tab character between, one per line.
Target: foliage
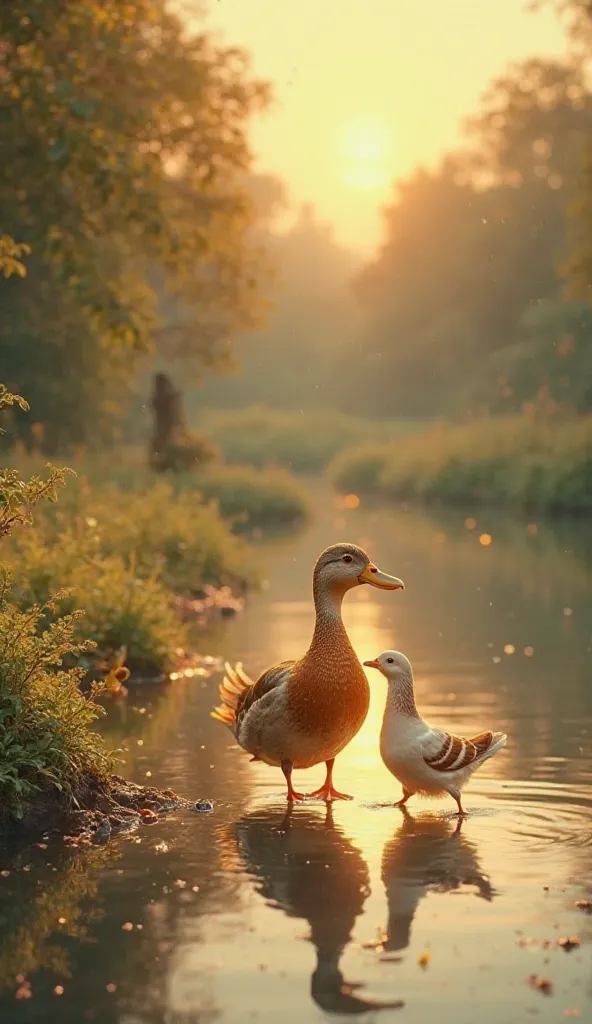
255	499
122	159
45	734
470	251
303	441
11	254
247	497
45	722
123	554
544	465
17	496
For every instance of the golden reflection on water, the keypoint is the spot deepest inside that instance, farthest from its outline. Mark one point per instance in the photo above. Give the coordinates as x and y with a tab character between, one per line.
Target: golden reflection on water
367	894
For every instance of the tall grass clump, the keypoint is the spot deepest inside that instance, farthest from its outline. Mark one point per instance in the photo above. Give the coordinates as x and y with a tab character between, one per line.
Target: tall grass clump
255	499
303	441
519	461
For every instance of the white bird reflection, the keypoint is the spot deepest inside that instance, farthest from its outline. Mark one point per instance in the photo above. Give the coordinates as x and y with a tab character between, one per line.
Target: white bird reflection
426	854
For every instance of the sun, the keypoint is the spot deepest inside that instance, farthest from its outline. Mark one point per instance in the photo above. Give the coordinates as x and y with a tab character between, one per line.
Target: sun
366	155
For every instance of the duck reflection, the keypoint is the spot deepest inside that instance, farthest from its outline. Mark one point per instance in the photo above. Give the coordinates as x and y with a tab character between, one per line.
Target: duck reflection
426	854
306	867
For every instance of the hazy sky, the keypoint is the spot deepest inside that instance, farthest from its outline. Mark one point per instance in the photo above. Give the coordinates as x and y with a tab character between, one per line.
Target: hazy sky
367	89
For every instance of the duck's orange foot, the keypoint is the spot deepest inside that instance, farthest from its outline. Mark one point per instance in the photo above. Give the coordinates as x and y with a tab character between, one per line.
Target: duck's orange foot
292	795
329	793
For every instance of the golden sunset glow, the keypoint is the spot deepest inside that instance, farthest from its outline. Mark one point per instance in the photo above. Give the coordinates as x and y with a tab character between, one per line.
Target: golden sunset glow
366	91
367	156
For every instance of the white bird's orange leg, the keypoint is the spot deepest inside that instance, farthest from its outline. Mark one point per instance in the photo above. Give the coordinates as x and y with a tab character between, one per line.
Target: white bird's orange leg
406	794
327	790
287	770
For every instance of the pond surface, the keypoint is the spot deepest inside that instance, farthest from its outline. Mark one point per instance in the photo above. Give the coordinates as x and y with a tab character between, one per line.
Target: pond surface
249	913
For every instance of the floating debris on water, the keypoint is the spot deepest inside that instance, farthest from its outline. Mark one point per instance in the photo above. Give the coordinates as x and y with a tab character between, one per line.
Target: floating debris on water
569	943
213	601
424	960
544	985
585	905
204	805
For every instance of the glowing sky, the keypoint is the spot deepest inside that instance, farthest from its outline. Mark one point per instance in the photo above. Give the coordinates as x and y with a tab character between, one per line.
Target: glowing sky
367	89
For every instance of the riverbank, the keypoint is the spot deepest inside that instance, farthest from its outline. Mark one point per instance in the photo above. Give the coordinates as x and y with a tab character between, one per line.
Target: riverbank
519	462
112	579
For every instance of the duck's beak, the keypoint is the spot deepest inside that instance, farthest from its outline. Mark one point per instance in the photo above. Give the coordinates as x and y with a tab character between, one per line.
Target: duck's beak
372	664
379	579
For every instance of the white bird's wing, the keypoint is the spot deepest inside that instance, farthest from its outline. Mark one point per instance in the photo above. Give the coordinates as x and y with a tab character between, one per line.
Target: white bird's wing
445	752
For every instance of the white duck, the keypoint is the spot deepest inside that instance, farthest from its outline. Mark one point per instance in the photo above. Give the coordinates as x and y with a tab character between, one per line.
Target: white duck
425	760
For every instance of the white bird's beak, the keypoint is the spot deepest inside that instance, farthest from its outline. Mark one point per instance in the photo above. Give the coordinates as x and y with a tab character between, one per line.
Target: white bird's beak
372	664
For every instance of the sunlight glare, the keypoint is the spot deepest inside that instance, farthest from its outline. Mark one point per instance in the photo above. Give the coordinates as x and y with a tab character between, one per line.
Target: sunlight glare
366	153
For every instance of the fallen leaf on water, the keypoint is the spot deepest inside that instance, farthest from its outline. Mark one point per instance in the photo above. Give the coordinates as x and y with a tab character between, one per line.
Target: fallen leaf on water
585	905
544	985
58	990
424	960
127	927
569	943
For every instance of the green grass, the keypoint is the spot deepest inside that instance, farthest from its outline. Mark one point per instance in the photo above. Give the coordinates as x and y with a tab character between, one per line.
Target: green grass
123	541
122	555
247	498
255	499
304	442
515	461
45	721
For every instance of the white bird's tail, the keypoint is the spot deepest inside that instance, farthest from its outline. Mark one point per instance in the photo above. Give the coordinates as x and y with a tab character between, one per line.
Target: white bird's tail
488	744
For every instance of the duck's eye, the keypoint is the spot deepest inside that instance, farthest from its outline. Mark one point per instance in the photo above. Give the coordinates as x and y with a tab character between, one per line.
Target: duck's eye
390	661
347	558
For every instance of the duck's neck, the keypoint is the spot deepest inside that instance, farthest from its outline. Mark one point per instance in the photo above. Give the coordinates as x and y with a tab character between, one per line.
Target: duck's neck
400	698
328	620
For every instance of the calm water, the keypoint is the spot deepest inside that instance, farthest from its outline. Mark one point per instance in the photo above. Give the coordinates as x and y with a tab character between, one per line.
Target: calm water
250	914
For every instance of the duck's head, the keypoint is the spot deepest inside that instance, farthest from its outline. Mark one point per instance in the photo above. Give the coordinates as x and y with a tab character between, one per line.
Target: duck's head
394	666
343	566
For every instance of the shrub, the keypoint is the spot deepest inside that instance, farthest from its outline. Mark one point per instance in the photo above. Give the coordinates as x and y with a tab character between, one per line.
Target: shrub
45	721
304	442
543	465
255	499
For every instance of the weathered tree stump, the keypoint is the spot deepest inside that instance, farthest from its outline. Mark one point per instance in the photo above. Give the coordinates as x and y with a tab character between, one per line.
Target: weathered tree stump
173	447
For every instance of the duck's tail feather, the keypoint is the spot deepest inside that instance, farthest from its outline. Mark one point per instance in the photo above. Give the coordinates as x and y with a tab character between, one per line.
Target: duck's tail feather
234	683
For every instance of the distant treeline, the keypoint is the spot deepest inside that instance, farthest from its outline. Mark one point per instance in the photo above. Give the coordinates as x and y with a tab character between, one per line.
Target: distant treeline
127	198
478	299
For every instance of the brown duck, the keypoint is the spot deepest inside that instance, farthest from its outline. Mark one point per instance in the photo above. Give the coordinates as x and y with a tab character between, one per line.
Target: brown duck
299	713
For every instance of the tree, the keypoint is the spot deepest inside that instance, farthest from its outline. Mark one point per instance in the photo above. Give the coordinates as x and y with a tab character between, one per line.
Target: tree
471	249
121	157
